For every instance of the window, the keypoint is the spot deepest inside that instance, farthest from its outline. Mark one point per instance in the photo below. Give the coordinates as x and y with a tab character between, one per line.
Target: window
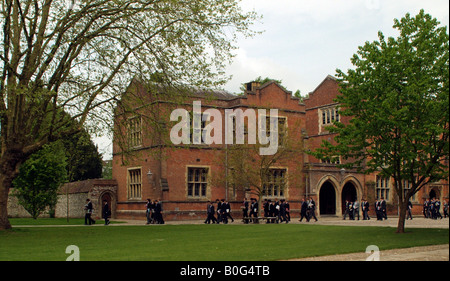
329	116
332	160
406	187
198	126
383	187
282	128
134	184
275	183
135	131
197	182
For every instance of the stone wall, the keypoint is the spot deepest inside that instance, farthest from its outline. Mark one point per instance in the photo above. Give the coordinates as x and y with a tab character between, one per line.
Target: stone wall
76	207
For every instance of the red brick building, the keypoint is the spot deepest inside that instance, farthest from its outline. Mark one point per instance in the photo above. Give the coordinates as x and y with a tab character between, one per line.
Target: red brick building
185	177
333	186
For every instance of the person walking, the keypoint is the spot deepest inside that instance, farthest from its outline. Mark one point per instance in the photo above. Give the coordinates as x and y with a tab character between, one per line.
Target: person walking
149	213
446	209
158	212
347	209
356	209
365	209
210	213
312	208
303	211
245	211
409	209
106	212
228	210
383	209
89	209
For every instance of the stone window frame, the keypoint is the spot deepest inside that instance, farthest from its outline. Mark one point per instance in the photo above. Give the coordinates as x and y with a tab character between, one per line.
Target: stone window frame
201	195
327	116
134	183
285	184
383	188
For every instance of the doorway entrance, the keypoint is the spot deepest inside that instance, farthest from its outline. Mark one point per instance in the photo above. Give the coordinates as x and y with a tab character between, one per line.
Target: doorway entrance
327	199
348	194
107	196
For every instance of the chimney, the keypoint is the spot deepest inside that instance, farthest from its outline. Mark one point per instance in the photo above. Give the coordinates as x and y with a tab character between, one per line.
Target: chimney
251	87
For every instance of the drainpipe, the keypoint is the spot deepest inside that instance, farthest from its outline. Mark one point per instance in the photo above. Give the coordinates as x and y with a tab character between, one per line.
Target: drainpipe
226	172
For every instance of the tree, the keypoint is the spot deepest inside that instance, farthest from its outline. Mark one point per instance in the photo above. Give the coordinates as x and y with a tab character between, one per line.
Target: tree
83	159
79	58
40	178
398	100
248	171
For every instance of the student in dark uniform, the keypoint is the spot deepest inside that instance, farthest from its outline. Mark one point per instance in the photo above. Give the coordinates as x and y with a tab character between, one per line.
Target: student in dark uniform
383	209
425	208
149	211
228	210
409	209
254	209
89	209
303	211
312	208
210	213
283	216
288	211
446	209
223	211
378	210
106	212
219	211
347	211
158	212
365	209
245	206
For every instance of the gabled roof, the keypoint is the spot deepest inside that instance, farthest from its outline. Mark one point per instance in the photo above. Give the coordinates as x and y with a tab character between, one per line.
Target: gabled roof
329	77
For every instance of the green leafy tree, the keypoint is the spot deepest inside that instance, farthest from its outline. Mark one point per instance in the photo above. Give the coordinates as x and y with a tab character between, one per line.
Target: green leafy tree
78	57
83	159
398	100
39	179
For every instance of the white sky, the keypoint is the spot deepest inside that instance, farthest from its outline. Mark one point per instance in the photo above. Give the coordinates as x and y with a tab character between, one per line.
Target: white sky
306	40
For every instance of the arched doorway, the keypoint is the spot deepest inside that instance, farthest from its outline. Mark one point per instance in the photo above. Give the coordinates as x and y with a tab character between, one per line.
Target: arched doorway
109	198
348	194
327	199
434	193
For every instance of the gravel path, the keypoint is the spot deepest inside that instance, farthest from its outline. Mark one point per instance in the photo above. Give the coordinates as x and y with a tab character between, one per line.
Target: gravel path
428	253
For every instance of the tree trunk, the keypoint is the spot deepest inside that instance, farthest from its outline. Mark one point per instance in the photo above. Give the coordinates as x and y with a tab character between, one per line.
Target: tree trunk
4	189
402	217
9	163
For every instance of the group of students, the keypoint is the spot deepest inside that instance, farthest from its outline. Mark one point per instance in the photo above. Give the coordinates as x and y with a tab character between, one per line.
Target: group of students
352	209
432	209
308	210
89	210
154	212
223	212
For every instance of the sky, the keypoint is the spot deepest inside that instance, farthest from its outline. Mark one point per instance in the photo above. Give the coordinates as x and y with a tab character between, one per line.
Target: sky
303	41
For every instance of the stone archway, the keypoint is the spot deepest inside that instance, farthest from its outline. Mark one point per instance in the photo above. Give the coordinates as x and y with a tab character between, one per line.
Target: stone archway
110	197
327	199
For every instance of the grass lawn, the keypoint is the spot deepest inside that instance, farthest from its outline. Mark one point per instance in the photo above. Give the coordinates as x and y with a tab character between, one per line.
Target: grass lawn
205	242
